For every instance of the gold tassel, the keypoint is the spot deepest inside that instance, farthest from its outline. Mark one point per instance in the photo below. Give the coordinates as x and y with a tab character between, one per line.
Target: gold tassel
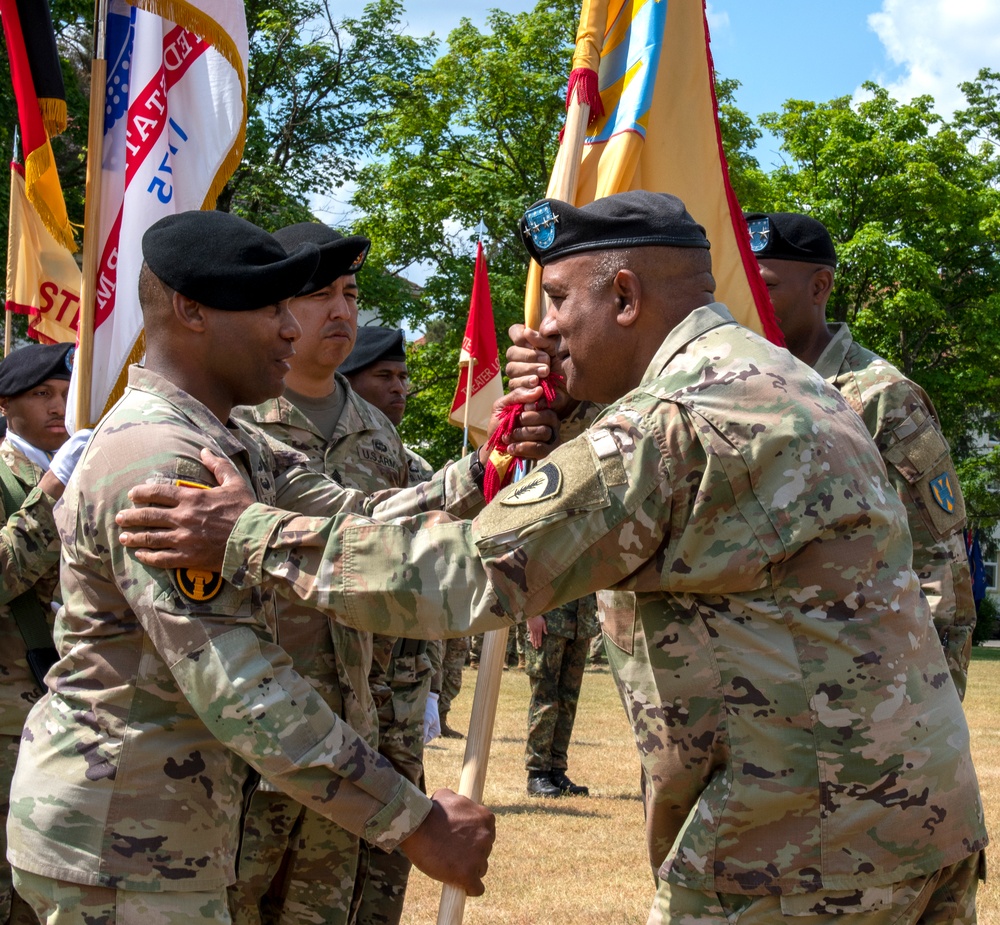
185	15
53	115
135	355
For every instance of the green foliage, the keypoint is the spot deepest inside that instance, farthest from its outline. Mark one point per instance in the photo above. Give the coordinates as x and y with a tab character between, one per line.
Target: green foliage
913	208
315	86
475	142
987	618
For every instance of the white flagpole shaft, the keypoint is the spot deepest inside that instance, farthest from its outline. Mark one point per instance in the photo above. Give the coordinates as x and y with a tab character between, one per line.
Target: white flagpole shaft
468	401
477	751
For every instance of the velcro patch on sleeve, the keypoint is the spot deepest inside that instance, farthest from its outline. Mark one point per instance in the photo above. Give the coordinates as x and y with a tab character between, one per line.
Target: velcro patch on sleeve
569	481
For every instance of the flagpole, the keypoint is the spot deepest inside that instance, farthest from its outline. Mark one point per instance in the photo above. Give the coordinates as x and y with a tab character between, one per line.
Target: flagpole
9	315
477	751
84	362
468	401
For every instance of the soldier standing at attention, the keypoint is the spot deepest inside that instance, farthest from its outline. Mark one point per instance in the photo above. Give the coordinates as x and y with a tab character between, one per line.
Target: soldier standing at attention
558	643
296	865
133	773
769	638
797	261
377	372
33	470
344	436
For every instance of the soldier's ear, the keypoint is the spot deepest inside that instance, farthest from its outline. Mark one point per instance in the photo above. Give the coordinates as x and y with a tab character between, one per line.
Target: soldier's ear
628	293
822	285
189	313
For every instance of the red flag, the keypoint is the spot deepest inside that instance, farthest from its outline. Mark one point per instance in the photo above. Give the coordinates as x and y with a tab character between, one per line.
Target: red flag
34	71
479	357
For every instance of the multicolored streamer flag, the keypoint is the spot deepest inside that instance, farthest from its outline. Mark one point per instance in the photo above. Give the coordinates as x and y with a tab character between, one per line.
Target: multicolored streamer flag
174	128
480	354
657	128
41	107
43	280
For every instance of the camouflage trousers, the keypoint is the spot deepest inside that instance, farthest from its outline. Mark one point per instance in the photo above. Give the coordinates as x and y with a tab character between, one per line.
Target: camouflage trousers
450	679
516	644
556	673
945	897
382	876
295	866
13	909
59	902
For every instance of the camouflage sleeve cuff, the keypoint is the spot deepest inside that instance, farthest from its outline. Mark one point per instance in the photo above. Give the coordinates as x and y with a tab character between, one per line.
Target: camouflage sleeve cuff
399	818
243	564
463	493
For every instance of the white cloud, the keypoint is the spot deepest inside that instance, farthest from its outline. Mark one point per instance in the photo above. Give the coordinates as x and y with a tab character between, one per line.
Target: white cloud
716	20
938	44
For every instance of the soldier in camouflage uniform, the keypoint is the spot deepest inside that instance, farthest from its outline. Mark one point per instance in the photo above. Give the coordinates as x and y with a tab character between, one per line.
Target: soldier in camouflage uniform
769	638
34	381
797	261
133	772
556	656
376	369
295	864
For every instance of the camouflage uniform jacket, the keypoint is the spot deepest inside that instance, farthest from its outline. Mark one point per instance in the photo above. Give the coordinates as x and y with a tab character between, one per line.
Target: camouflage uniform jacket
132	771
420	470
29	558
761	568
903	423
365	453
575	620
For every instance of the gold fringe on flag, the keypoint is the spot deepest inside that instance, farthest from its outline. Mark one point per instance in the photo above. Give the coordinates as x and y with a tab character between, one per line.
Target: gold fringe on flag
202	25
54	116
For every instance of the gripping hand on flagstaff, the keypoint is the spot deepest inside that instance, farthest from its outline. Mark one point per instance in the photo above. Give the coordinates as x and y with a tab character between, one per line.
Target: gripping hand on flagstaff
530	358
454	842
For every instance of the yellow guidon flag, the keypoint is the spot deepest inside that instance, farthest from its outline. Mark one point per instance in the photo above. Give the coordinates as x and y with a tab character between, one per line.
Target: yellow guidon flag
659	131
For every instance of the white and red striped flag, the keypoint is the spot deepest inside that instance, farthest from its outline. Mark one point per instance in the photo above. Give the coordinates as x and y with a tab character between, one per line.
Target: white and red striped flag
479	361
174	127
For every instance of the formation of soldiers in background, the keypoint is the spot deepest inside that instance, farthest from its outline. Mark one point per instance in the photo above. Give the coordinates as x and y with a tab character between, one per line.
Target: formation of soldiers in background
344	395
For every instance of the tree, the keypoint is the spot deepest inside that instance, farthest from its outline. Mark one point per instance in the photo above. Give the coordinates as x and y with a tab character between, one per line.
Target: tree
476	140
315	88
913	209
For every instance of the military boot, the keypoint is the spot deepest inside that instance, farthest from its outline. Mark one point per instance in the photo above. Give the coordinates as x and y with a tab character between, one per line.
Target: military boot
539	785
446	730
560	780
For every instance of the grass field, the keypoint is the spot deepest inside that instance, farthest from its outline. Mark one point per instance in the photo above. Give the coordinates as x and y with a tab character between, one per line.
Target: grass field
582	860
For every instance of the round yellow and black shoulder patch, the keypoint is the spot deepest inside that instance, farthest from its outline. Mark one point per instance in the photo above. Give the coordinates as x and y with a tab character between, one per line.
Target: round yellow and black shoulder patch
198	584
537	486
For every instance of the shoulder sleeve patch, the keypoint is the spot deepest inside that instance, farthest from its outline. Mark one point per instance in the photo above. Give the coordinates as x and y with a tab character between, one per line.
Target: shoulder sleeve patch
194	584
570	481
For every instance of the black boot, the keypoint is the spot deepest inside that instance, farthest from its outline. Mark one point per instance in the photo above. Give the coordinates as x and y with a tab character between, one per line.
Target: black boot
447	731
560	780
539	785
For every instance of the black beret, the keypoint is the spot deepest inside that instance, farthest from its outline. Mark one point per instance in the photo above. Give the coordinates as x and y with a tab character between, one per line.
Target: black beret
25	368
225	262
790	236
338	256
552	229
372	345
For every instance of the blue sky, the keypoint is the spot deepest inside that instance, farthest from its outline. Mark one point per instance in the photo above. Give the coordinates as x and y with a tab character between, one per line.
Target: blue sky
799	49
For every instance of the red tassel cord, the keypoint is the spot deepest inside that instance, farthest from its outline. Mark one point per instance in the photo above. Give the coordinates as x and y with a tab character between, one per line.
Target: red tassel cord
493	478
